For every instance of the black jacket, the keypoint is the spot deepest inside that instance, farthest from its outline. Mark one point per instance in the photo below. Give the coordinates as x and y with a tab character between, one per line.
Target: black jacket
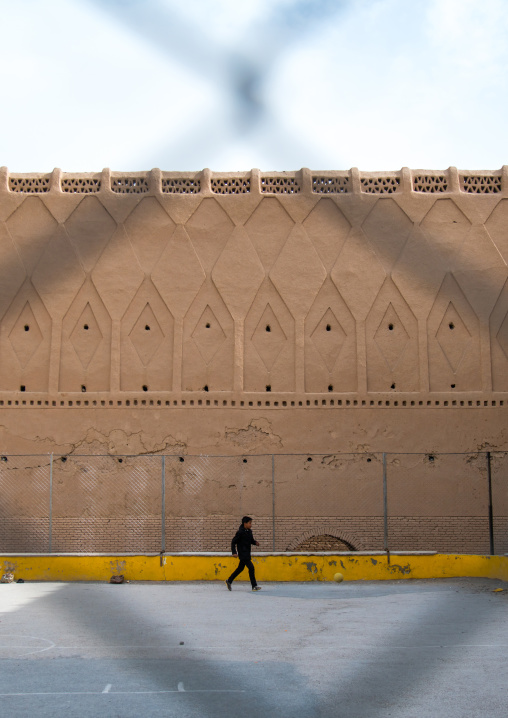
242	542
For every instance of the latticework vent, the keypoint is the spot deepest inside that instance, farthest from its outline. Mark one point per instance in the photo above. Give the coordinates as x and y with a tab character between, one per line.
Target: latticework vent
230	185
80	185
180	185
380	185
330	185
280	185
482	184
33	185
430	183
129	185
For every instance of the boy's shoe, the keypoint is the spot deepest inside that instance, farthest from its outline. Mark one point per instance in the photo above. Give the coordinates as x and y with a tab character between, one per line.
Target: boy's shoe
255	588
228	585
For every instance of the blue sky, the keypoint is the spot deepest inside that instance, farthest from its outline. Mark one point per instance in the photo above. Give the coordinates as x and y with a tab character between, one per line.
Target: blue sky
235	84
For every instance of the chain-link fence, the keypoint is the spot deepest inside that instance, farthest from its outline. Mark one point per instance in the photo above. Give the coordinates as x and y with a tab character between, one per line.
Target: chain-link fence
455	503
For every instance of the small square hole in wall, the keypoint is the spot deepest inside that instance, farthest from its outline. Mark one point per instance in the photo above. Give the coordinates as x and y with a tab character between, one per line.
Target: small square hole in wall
22	387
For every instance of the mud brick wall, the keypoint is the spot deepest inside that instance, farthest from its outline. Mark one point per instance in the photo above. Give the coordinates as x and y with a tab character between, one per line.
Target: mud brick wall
249	315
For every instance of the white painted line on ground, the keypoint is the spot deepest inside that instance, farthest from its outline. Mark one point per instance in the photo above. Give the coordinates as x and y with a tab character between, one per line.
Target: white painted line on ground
24	646
107	689
119	693
181	689
220	647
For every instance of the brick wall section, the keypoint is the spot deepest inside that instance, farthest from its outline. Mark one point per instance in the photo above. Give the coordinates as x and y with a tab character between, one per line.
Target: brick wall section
468	534
24	535
455	534
103	535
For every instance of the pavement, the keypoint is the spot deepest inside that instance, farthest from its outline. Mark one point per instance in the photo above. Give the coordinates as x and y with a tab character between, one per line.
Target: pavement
408	648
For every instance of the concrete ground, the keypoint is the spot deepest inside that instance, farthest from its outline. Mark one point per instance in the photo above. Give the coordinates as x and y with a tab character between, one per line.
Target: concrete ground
408	648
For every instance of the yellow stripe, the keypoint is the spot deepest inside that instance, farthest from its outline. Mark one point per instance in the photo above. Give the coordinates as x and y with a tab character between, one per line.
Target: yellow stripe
268	568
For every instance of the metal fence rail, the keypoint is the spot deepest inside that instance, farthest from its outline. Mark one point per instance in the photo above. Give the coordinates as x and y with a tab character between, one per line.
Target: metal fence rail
300	502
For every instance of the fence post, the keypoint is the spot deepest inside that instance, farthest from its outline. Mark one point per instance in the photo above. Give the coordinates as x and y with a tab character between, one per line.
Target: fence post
385	505
273	502
491	517
163	505
50	501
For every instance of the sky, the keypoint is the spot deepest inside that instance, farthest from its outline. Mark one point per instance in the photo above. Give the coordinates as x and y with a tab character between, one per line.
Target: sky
237	84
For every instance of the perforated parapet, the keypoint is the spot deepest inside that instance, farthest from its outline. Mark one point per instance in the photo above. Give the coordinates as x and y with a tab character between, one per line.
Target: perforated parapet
433	184
279	185
80	185
181	185
380	185
481	184
129	185
231	185
330	185
31	185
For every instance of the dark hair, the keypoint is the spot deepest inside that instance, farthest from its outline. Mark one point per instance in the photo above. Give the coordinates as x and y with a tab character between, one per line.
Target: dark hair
246	519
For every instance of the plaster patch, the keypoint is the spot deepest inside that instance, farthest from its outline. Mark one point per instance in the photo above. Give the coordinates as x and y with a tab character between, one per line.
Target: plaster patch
120	442
256	435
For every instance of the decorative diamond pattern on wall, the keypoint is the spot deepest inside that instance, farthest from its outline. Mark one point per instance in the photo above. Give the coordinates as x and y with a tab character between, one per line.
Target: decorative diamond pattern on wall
208	335
269	337
25	336
207	287
453	337
268	228
209	229
31	227
328	338
391	337
146	335
86	336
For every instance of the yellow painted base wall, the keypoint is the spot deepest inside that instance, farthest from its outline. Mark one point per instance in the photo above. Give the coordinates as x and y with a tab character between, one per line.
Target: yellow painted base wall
268	568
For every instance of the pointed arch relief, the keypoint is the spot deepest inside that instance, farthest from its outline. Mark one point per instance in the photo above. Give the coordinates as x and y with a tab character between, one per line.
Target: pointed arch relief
320	537
208	343
25	342
85	353
392	343
453	337
330	344
269	356
147	342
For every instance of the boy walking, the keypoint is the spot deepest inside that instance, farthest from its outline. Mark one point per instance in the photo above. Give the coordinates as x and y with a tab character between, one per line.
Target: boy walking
240	546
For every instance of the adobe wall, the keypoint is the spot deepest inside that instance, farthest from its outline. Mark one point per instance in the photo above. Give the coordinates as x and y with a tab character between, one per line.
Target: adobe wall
212	313
243	314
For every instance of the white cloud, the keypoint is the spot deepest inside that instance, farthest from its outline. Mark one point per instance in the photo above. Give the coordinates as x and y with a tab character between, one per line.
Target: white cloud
382	90
377	84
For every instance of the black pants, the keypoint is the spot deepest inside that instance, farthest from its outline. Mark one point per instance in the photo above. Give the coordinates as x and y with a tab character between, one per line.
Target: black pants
245	561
